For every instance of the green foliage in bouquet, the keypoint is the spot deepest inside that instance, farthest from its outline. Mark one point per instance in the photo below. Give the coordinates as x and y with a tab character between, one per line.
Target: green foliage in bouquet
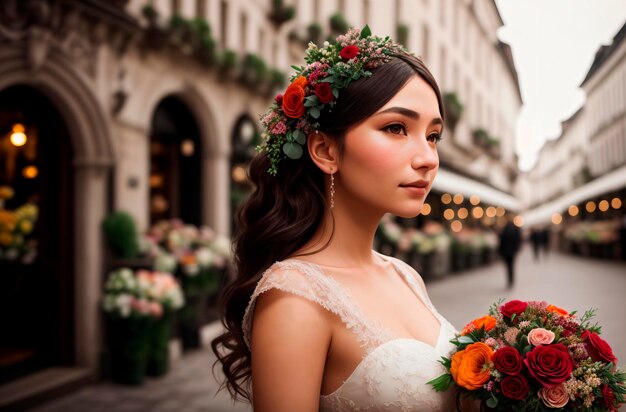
121	234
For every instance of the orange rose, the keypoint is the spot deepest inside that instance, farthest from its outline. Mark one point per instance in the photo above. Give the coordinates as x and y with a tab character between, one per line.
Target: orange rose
489	322
556	309
293	99
471	367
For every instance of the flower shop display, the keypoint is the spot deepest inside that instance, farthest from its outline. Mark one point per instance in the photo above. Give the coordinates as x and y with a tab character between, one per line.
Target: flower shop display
138	307
17	240
533	356
198	258
593	238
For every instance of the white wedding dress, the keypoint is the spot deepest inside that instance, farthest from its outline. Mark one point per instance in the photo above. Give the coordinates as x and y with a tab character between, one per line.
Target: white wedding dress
393	373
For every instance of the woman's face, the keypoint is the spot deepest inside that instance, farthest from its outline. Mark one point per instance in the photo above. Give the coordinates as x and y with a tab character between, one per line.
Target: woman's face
390	159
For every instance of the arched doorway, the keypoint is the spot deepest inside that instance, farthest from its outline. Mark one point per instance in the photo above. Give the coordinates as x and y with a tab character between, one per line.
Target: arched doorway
244	140
175	164
36	234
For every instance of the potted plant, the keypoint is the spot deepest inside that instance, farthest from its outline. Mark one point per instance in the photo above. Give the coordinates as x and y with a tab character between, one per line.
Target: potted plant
280	14
453	108
402	34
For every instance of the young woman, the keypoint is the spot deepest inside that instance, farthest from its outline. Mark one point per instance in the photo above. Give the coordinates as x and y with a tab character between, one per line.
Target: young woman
315	319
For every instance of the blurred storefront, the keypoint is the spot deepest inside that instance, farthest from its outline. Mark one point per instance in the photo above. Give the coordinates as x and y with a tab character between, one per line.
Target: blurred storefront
579	182
151	107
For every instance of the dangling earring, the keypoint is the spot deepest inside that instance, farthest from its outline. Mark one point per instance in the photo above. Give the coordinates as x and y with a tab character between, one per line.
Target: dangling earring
332	189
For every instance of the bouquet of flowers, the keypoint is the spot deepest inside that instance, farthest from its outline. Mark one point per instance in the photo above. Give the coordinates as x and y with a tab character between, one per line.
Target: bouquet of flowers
17	241
533	356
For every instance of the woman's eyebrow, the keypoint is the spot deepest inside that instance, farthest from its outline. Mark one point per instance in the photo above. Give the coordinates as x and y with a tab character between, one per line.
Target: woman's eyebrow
408	113
401	110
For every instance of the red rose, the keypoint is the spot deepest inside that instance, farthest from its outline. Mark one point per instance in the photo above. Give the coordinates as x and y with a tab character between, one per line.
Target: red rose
597	347
293	99
513	307
349	52
508	360
514	387
550	365
323	92
279	99
609	398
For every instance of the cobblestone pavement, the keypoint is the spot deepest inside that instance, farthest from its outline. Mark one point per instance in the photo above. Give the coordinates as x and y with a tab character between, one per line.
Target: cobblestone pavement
567	281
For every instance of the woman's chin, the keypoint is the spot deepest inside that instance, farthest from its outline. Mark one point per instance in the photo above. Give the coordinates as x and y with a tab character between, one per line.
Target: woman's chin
408	212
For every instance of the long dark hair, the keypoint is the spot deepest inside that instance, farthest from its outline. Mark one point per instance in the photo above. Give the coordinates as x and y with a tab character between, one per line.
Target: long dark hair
284	211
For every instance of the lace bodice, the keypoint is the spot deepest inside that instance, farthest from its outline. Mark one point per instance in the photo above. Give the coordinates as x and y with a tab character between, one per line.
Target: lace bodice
393	373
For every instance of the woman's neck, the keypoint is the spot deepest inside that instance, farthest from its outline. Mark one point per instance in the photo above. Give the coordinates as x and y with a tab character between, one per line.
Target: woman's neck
351	242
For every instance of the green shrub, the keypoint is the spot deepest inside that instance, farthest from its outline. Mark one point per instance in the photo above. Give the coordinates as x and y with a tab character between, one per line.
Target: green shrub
121	234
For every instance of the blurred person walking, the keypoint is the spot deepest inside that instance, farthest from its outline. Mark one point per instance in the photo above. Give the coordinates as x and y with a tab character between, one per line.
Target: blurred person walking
510	240
544	241
535	240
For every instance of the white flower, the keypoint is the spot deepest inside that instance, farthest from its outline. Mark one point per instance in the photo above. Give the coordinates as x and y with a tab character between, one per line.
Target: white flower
165	262
204	257
122	303
326	44
191	269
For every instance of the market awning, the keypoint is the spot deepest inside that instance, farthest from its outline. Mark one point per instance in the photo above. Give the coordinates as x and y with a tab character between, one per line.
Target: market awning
607	183
452	183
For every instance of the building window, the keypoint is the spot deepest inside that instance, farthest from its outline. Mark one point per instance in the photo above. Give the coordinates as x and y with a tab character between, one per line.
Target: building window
243	24
201	9
224	23
366	11
175	7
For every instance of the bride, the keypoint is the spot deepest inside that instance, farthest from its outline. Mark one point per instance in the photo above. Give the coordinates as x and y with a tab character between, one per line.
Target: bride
315	319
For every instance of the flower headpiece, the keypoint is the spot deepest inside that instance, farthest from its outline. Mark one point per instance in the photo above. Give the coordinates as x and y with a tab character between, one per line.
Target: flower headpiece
315	88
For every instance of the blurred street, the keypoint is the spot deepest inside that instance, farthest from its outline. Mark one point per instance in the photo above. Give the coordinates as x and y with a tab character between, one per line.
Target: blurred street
571	282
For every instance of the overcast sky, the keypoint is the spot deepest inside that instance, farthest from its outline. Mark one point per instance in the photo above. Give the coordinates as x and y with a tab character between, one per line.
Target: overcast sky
554	42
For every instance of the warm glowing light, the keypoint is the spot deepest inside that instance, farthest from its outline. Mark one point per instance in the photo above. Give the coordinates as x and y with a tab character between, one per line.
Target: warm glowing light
448	214
446	198
462	213
456	226
239	174
500	211
518	221
18	138
187	147
477	212
590	206
156	181
458	199
491	211
557	218
30	172
573	210
616	203
603	205
426	209
474	200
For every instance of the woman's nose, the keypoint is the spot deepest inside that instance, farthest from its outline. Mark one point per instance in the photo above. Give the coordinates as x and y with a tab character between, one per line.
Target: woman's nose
424	155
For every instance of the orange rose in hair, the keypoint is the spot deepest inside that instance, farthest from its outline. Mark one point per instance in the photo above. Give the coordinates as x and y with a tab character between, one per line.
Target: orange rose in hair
293	99
556	309
471	367
489	322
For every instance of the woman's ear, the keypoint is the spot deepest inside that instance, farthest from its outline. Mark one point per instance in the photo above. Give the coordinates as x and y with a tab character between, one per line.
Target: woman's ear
323	151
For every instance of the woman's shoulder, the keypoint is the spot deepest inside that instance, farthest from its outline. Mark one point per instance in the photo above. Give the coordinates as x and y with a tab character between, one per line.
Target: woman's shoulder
404	267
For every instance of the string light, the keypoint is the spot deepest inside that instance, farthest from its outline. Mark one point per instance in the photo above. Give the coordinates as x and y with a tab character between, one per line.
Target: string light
18	137
474	200
448	214
458	199
603	205
573	210
446	198
590	206
426	209
616	203
557	218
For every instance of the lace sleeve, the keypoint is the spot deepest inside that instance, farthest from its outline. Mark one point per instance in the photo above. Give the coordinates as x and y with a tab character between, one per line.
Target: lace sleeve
307	281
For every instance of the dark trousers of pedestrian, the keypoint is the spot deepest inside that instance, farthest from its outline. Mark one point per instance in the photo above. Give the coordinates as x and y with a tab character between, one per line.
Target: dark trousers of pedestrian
509	261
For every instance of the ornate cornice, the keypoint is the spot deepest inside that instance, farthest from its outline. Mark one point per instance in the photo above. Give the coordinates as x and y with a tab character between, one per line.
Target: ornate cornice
76	29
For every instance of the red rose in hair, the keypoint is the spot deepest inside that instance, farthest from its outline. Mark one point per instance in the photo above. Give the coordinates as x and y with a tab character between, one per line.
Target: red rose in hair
513	307
349	52
293	99
323	92
609	398
598	348
550	365
514	387
508	360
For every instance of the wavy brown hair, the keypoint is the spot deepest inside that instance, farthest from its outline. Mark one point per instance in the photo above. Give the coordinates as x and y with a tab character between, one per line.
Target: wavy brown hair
284	211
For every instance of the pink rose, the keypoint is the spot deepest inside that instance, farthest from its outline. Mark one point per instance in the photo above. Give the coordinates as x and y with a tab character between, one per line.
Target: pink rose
554	397
540	336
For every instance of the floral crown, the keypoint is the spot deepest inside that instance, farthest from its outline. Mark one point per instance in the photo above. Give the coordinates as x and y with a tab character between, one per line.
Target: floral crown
316	86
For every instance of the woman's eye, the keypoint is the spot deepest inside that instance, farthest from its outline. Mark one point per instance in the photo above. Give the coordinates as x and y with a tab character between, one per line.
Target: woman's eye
434	137
395	128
